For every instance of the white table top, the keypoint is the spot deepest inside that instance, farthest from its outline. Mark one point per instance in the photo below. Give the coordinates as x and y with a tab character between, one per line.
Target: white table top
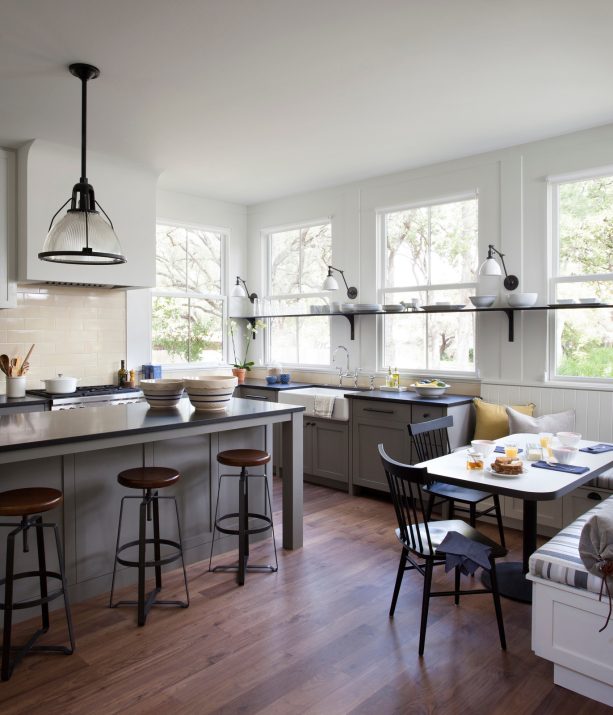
534	484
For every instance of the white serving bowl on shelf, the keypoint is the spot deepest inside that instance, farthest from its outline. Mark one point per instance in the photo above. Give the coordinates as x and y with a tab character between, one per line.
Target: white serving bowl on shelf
482	301
163	392
210	392
522	300
430	391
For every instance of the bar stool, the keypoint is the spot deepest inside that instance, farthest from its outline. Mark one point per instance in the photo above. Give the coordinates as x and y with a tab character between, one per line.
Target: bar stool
244	458
29	504
148	480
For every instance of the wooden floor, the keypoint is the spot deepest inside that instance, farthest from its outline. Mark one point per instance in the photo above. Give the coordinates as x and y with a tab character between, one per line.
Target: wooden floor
314	638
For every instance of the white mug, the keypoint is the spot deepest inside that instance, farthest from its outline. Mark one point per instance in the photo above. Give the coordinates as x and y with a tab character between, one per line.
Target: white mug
16	386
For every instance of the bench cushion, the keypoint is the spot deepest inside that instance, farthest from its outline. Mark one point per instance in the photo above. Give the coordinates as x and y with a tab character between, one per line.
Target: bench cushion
558	560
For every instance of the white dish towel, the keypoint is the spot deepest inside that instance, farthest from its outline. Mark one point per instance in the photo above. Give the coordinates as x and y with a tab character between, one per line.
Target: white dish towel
323	405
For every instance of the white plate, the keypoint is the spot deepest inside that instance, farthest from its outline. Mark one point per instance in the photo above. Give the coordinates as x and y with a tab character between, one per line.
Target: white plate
393	308
433	308
489	470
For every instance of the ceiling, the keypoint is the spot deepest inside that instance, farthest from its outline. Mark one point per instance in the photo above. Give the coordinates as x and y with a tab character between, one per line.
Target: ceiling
248	100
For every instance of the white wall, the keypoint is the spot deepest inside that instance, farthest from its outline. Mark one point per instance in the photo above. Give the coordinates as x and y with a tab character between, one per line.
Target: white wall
513	204
198	211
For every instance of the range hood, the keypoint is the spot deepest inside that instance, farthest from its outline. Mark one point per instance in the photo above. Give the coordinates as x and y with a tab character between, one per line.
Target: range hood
44	171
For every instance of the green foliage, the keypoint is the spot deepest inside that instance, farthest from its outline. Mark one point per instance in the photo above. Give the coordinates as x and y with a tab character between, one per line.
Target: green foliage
591	361
182	332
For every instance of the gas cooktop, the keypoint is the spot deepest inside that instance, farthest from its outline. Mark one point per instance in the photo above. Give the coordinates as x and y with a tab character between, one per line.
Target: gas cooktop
88	391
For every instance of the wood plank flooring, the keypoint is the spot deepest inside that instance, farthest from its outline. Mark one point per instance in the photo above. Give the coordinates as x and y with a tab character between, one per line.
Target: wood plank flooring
315	638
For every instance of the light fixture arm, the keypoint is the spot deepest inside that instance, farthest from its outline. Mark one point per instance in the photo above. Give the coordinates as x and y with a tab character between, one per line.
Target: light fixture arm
252	296
510	282
352	291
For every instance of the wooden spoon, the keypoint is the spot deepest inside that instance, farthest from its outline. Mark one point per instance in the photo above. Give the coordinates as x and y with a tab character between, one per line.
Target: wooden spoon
5	364
25	360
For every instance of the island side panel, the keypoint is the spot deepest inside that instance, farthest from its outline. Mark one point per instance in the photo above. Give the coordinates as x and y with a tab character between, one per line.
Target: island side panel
291	438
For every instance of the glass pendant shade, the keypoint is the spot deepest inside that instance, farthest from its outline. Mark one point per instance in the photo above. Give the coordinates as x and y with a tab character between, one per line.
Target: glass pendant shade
330	283
82	237
490	267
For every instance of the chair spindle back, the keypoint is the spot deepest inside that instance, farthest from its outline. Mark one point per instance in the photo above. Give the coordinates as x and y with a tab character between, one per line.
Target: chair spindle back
431	438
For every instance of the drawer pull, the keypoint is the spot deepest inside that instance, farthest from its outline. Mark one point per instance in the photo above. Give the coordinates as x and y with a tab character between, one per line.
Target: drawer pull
383	412
595	496
256	397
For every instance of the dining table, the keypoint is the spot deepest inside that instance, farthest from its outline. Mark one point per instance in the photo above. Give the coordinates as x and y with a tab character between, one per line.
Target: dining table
534	484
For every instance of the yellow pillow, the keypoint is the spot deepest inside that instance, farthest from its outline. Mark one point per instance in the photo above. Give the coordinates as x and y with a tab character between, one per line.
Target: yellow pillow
492	420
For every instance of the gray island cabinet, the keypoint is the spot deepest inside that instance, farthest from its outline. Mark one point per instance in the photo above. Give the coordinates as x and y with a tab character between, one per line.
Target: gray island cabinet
81	452
382	417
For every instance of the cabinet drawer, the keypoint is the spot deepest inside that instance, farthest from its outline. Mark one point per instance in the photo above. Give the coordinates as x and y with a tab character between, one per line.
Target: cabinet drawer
423	413
379	410
257	393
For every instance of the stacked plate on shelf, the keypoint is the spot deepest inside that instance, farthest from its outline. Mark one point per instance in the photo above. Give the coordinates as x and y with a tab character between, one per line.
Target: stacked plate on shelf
360	307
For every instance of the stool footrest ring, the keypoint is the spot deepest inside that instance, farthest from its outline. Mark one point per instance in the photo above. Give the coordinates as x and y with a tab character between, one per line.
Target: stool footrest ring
253	530
38	601
158	562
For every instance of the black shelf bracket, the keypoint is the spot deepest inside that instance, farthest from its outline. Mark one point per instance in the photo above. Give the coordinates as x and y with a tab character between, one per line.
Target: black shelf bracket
511	319
351	319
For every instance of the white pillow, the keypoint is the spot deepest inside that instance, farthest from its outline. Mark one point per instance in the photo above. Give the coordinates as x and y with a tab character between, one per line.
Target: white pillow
557	422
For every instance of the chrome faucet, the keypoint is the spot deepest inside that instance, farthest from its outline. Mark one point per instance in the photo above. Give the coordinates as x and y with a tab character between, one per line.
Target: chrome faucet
341	374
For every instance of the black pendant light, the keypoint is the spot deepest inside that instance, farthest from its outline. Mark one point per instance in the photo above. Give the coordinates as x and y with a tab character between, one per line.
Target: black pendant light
82	236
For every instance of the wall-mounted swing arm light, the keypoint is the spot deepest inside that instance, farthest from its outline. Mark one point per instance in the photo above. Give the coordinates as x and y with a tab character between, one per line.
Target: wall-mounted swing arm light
82	236
240	290
331	283
490	267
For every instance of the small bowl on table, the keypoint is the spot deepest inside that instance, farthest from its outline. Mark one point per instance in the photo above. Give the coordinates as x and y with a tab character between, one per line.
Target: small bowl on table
564	455
163	392
484	446
568	439
482	301
210	392
271	379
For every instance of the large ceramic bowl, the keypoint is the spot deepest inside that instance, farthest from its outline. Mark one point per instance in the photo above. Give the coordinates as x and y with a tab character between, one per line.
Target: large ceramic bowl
164	392
210	392
427	391
522	300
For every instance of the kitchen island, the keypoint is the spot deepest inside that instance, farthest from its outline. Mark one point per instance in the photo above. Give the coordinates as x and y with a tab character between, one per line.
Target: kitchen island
81	452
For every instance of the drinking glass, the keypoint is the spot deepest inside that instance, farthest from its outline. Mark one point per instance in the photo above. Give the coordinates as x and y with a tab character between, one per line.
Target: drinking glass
545	442
511	450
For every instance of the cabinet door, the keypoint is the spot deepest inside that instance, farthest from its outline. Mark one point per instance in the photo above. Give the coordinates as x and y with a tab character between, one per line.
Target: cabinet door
8	292
330	450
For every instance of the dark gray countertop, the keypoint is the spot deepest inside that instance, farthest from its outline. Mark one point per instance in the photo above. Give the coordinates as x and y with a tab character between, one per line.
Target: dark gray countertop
277	386
410	397
36	429
22	401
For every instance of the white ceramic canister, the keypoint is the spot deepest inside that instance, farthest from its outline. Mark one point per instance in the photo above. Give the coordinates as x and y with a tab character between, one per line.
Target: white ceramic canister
16	386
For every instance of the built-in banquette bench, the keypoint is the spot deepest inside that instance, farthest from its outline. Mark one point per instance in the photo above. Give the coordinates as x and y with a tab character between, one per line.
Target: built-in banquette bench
567	614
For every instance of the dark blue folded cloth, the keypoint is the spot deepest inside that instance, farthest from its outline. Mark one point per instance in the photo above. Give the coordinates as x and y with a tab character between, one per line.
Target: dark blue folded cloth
465	553
597	448
568	468
500	450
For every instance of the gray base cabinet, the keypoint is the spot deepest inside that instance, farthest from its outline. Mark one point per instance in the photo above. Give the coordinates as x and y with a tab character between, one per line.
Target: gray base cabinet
376	422
326	451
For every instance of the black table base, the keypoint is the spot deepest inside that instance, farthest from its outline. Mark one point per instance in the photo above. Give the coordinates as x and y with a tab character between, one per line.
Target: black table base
512	581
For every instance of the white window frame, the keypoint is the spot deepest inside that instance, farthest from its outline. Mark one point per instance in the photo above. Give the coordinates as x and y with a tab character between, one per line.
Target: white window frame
553	184
160	292
382	291
266	235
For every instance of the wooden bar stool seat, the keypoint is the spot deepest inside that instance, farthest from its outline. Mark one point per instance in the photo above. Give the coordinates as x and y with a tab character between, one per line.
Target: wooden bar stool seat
149	480
29	504
249	522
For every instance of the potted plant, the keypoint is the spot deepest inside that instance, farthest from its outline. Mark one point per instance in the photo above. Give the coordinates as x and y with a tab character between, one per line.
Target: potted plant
240	367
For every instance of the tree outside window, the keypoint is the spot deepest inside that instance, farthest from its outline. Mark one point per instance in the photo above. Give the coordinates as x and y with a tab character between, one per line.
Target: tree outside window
430	253
187	302
583	267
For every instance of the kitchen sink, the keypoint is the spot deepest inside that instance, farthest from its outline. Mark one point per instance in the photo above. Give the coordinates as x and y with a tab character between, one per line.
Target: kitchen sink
313	399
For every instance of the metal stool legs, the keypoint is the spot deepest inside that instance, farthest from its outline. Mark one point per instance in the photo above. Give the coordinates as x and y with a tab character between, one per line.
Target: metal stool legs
149	511
7	666
244	531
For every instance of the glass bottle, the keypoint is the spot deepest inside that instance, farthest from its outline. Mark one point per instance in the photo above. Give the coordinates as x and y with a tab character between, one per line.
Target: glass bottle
122	375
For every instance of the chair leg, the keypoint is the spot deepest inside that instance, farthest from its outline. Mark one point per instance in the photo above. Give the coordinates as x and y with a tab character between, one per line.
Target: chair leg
399	575
42	570
215	521
242	526
182	557
425	602
156	546
456	597
497	607
430	507
8	607
472	515
499	520
272	526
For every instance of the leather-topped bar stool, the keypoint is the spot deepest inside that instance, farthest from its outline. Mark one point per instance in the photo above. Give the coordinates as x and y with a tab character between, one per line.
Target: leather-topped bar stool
29	504
149	480
248	522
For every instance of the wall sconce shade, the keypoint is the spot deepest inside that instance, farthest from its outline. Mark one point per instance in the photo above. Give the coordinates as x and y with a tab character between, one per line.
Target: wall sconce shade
330	283
240	290
490	267
82	236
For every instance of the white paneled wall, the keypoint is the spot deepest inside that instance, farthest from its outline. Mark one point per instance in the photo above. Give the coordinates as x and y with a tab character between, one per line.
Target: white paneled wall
593	408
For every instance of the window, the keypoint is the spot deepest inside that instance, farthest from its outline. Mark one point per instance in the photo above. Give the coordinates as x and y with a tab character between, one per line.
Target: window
298	259
187	302
429	253
582	268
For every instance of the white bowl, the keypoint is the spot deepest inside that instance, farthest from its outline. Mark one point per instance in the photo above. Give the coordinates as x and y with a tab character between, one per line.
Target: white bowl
210	392
427	391
569	439
484	446
164	392
564	455
522	300
588	300
482	301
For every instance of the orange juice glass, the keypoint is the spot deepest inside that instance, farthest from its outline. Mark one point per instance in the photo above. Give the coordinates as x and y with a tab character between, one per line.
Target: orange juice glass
545	442
511	450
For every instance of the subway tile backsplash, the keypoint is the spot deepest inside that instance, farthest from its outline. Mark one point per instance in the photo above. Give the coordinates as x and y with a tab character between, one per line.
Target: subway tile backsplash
79	332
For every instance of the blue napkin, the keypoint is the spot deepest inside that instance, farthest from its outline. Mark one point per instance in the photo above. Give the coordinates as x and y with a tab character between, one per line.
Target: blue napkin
465	553
568	468
597	448
500	450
